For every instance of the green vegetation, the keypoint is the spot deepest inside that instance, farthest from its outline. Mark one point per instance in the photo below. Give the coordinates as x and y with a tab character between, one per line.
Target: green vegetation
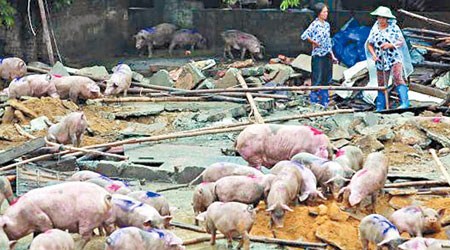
289	3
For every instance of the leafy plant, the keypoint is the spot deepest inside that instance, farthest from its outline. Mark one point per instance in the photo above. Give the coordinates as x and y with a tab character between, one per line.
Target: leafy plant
289	3
7	11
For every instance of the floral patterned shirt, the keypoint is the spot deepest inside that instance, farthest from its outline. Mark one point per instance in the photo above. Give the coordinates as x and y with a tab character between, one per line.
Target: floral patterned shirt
320	32
389	57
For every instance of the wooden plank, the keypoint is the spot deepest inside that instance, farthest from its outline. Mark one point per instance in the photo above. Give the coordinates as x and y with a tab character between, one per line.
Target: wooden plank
23	149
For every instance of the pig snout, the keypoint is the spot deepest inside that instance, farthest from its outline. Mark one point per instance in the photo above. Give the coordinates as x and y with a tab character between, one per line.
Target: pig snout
278	218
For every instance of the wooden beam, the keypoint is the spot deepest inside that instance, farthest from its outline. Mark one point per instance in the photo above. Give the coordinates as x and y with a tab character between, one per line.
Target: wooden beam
23	149
440	165
428	90
255	110
423	18
46	33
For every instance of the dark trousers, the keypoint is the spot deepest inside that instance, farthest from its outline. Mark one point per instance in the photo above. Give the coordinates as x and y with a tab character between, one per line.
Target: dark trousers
321	75
322	67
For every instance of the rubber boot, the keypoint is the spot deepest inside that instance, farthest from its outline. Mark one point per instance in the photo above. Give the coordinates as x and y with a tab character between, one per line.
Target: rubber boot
381	101
313	97
324	97
402	91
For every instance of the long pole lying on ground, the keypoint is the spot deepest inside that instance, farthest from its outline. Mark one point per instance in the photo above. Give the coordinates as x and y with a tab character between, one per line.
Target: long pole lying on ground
426	19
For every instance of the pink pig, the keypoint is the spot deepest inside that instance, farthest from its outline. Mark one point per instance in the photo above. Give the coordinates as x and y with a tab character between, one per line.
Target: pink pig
132	238
425	244
69	130
267	144
79	207
53	239
418	220
74	87
379	230
204	195
112	186
5	190
120	80
32	85
12	67
229	218
84	175
221	169
367	181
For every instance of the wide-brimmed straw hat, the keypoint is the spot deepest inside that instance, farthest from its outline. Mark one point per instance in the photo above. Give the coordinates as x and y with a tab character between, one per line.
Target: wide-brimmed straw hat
383	12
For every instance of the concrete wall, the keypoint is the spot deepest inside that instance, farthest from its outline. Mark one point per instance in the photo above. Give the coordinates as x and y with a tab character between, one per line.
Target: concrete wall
85	29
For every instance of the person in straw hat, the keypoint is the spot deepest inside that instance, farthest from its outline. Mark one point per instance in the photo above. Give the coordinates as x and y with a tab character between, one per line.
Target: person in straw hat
387	53
318	34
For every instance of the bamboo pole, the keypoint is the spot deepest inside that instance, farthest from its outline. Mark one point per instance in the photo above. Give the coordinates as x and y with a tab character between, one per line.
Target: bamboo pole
440	165
167	99
426	19
426	31
439	51
46	33
201	239
22	132
213	130
253	106
415	184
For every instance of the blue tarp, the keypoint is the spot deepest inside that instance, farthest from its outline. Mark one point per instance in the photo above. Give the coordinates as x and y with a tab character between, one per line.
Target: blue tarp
348	43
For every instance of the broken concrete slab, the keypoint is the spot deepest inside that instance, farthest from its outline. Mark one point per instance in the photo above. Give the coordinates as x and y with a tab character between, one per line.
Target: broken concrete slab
278	73
39	123
59	70
253	71
94	71
339	133
20	106
369	144
229	80
141	110
267	104
190	77
409	134
254	81
208	83
161	78
139	129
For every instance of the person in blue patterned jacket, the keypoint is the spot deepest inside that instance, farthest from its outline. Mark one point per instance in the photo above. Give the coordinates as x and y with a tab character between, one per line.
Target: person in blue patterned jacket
318	34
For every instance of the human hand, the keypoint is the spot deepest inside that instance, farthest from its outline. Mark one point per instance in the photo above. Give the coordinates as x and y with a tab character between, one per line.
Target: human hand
335	60
387	46
375	58
315	44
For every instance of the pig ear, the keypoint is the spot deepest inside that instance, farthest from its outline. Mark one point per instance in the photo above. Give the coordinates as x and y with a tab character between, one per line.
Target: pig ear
115	84
201	217
167	219
321	196
94	88
441	212
304	196
286	207
271	208
48	77
172	209
330	180
12	243
149	223
354	199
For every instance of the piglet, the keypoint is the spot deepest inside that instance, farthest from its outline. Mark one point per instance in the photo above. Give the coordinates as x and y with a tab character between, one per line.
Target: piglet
132	238
425	244
229	218
74	87
112	186
127	211
53	239
69	130
120	80
185	37
221	169
245	189
204	195
267	144
79	207
284	190
379	230
418	220
351	158
158	201
32	85
84	175
367	181
12	67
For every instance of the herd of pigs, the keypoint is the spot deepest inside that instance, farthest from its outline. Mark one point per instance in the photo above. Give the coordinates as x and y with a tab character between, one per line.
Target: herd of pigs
166	34
302	168
301	159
